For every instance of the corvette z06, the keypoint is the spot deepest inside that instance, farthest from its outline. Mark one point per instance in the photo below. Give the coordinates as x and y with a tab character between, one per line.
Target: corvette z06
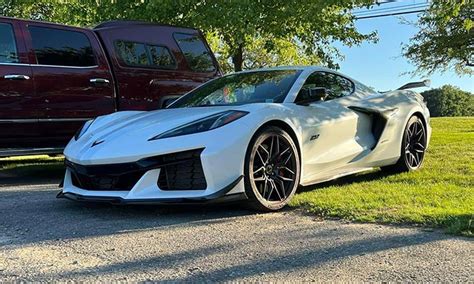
253	135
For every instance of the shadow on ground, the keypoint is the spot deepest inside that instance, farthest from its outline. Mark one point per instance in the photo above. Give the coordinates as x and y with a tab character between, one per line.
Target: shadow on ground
356	178
33	214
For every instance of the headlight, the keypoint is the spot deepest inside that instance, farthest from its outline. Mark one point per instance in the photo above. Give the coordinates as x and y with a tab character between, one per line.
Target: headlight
83	129
203	124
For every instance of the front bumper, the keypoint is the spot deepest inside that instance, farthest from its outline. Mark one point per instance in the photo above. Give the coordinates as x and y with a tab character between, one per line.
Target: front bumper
221	195
222	155
194	175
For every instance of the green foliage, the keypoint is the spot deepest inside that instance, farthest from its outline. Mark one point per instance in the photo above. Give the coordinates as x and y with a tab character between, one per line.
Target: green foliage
244	33
445	39
78	13
441	194
449	101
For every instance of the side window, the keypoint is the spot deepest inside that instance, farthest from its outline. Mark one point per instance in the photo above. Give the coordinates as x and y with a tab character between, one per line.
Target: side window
132	53
8	52
144	55
341	86
315	80
195	51
61	47
365	89
161	56
335	85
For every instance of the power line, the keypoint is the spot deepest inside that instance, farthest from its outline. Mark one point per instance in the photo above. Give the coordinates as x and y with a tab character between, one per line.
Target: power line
391	9
390	14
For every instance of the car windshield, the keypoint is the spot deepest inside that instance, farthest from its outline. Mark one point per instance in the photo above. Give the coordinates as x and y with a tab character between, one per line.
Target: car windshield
242	88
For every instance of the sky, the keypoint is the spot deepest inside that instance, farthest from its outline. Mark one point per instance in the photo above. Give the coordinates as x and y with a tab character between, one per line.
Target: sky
380	65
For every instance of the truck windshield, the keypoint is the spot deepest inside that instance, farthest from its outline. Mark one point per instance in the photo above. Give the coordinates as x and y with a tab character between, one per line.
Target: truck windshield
242	88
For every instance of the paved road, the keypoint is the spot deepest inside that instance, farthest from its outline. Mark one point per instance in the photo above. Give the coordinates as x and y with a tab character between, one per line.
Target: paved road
42	238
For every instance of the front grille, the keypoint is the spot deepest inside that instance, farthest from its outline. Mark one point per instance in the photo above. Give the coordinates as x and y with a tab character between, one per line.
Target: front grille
186	175
105	177
179	171
106	182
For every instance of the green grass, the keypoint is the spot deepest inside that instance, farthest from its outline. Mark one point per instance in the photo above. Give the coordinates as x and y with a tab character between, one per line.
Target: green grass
441	194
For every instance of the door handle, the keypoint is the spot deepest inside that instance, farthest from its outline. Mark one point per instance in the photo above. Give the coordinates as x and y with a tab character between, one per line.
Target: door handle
16	77
99	81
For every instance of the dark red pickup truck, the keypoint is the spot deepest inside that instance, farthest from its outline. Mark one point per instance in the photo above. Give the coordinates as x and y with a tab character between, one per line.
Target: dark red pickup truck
54	77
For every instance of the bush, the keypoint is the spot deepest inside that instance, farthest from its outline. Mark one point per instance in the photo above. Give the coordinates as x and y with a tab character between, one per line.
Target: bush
449	101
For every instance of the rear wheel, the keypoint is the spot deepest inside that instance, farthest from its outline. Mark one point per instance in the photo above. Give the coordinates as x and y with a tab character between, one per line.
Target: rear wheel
413	147
272	169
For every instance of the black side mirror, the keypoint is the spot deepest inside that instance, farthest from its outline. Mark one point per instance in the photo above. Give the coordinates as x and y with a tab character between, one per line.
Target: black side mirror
311	95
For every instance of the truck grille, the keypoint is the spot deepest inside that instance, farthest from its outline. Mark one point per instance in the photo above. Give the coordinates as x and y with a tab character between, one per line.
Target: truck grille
179	171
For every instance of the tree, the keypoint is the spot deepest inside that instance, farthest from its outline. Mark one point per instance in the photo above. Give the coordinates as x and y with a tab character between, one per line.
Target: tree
449	101
445	38
247	33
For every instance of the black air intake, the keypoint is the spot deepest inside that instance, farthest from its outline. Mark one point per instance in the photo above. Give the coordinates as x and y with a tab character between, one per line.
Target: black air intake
179	171
183	172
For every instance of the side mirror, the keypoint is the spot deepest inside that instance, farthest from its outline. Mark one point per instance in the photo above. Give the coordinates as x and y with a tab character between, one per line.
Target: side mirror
311	95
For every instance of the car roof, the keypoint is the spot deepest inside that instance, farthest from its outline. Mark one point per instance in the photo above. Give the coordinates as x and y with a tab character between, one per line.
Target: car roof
310	68
307	69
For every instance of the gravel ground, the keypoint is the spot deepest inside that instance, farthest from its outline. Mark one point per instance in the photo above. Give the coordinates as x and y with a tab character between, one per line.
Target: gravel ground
42	238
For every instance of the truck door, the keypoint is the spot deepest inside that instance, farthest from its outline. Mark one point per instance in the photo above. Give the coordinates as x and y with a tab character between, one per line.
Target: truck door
72	78
18	104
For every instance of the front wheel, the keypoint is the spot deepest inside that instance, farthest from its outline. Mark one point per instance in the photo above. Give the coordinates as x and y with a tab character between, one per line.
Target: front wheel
272	169
413	147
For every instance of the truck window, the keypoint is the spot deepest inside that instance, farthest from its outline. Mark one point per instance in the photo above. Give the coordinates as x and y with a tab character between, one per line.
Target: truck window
61	47
8	52
132	53
195	51
161	56
144	55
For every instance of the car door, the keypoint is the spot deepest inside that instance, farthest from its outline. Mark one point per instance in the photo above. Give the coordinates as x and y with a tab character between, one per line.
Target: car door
334	134
72	78
18	103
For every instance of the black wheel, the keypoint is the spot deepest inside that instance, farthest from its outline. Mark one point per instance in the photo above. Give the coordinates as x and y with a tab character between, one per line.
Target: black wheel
272	169
413	147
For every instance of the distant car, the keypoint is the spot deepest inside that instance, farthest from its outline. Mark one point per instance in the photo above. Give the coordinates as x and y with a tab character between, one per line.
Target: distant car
253	135
53	77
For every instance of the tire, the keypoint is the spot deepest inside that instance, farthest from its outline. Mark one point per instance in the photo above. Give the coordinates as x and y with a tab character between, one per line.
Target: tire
271	180
413	147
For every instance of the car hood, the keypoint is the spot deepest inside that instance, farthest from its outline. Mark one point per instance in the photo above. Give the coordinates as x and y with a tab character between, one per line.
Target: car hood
147	124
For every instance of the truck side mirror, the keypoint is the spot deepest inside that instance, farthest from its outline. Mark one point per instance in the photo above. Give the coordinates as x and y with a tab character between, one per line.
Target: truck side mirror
311	95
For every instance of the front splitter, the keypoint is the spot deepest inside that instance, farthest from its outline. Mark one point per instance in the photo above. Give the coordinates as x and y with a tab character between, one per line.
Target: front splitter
216	197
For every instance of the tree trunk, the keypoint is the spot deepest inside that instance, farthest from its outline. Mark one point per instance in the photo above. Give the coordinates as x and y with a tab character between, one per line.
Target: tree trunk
237	58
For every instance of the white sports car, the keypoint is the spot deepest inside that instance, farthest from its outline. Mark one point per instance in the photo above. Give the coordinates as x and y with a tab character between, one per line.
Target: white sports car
253	135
